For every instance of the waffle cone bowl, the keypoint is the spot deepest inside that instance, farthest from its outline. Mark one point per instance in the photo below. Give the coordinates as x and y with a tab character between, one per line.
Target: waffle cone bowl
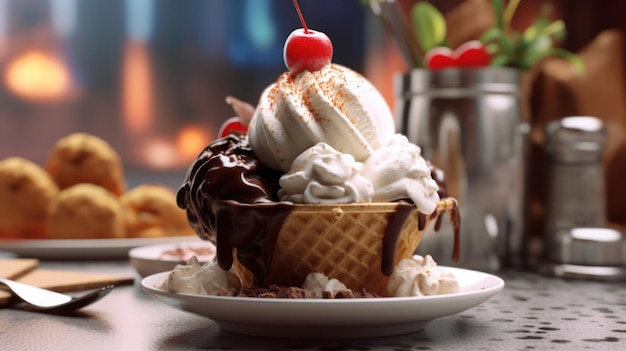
346	242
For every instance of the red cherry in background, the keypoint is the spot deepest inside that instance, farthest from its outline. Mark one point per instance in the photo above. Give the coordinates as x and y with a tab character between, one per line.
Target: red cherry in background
439	58
470	54
306	49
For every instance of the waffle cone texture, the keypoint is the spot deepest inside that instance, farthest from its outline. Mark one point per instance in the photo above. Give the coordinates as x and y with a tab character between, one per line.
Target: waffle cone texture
342	241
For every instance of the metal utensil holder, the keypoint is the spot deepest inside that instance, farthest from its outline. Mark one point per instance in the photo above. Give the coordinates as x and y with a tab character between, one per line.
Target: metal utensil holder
468	123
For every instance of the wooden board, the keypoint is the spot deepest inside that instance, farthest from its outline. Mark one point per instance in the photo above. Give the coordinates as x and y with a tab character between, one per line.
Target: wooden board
24	270
15	268
63	281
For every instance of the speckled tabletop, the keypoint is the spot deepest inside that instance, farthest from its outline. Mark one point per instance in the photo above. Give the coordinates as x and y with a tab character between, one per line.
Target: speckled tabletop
532	312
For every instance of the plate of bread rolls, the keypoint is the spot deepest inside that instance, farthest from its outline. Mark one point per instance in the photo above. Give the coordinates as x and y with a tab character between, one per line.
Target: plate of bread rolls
77	205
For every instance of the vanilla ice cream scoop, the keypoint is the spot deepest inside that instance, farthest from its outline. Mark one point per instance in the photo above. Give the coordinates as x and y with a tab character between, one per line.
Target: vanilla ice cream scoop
334	105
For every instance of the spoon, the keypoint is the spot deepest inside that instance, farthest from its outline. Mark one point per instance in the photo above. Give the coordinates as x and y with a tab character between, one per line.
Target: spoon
50	301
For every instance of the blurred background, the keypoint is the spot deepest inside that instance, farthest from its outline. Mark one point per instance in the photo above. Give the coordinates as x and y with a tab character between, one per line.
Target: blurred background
150	76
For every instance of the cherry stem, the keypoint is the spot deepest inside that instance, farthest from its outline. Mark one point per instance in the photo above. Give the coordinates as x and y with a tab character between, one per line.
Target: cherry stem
295	3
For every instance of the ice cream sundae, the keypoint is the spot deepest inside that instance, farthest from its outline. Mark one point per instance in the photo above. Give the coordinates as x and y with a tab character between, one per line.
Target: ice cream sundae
320	188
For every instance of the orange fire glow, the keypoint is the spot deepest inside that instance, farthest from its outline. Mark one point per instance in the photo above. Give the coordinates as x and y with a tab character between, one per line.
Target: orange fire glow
38	76
159	153
190	141
166	153
137	95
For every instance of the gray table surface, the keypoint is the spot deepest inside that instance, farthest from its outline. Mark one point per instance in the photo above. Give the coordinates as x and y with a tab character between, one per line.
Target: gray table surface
532	312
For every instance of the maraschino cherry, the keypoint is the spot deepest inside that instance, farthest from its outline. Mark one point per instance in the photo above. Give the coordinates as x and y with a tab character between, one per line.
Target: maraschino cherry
306	49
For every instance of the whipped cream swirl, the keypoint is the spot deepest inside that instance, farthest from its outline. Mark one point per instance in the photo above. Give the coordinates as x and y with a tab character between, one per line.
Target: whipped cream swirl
398	171
321	174
393	172
194	278
420	276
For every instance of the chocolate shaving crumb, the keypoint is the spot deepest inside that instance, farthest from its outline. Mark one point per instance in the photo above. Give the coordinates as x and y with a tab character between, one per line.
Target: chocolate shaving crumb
339	294
294	293
284	292
268	295
368	294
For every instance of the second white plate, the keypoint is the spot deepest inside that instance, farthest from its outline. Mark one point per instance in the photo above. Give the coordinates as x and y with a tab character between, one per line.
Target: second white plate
75	249
320	318
148	260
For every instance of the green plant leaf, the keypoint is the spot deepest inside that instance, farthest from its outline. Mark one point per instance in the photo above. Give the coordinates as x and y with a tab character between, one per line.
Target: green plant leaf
498	37
578	64
508	14
543	26
533	31
500	61
492	34
429	25
498	7
536	50
556	30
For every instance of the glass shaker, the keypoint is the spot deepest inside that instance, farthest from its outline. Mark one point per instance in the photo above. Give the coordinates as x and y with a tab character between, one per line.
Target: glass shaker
577	193
579	245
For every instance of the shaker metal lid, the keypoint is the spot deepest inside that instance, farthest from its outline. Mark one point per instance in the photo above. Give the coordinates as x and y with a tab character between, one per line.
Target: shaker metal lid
593	253
575	133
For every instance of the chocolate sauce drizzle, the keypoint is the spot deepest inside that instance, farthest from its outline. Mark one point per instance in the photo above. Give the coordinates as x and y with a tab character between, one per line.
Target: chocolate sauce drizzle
455	220
454	213
252	230
227	190
226	169
393	233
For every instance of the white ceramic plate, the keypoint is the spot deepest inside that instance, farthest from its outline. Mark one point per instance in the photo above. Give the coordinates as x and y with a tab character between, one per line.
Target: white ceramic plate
313	318
148	260
72	249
